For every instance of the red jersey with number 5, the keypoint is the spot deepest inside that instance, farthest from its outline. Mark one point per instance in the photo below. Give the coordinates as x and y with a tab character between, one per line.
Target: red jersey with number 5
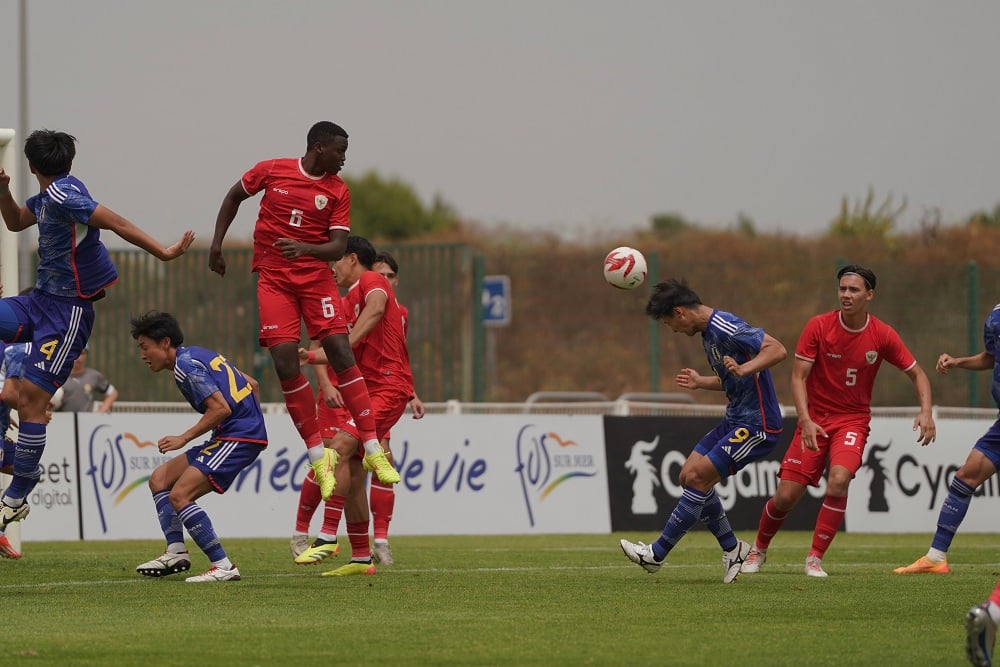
846	361
295	205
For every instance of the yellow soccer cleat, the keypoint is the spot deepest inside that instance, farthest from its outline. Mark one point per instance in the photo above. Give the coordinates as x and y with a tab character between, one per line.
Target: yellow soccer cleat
378	463
354	567
320	550
323	469
924	565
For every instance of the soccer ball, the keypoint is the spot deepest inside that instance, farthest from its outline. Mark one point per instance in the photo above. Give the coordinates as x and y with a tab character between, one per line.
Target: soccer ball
625	268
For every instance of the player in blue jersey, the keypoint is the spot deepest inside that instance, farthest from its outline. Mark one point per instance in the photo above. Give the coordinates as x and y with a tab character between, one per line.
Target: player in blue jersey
740	355
981	464
229	403
74	269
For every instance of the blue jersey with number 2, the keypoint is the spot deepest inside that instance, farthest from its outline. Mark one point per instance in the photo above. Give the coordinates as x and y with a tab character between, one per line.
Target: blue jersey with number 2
199	373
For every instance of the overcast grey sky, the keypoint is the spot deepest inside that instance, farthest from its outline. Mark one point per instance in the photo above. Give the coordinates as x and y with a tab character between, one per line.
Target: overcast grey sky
536	113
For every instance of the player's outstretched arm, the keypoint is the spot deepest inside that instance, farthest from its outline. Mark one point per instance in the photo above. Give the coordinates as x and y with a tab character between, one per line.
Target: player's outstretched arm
104	218
227	213
15	217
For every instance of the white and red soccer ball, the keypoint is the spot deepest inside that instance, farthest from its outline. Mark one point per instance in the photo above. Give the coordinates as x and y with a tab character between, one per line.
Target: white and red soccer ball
625	268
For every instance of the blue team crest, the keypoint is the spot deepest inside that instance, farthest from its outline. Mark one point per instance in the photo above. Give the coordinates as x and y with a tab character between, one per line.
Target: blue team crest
321	202
871	356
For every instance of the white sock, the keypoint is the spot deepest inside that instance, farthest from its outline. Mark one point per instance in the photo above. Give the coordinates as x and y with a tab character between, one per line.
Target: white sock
372	447
315	452
224	564
936	555
994	612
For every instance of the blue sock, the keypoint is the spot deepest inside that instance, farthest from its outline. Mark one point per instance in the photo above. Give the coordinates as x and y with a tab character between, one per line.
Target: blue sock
714	516
27	454
170	523
953	510
685	515
199	527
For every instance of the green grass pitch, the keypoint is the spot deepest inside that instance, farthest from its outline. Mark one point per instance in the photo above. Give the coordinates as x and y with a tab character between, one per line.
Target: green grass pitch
496	600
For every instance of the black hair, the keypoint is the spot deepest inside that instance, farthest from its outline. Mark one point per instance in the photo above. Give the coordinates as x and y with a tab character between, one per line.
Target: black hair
50	153
385	258
866	274
668	295
363	248
324	132
157	326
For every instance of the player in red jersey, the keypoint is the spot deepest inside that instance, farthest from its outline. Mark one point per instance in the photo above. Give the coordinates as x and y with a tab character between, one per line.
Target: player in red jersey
303	224
382	497
380	348
837	358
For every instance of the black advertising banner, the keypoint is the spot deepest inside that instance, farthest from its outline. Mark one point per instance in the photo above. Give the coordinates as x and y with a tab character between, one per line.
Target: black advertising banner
644	460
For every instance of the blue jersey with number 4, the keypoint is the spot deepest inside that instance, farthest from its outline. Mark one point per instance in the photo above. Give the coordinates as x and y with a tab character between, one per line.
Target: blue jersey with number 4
199	373
752	400
72	261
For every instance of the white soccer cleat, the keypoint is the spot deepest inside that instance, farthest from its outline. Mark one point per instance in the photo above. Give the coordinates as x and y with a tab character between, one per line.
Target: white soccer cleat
754	560
166	564
641	554
980	636
382	553
732	561
814	567
299	544
216	574
9	515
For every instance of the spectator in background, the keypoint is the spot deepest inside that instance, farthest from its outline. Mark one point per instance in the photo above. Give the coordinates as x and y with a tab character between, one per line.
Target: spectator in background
83	383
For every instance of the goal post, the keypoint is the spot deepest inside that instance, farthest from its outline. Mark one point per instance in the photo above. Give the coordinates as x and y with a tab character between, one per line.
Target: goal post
9	273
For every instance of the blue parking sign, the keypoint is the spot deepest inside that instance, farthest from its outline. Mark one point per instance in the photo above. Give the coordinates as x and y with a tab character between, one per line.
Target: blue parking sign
496	301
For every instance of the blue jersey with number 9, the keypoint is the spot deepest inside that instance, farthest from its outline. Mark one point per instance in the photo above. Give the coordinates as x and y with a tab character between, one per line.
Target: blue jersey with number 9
200	372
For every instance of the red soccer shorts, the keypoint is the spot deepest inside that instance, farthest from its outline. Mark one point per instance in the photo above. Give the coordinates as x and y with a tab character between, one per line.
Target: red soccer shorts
844	446
388	404
287	296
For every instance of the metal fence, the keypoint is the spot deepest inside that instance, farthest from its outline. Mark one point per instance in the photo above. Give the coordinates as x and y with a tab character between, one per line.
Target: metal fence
437	286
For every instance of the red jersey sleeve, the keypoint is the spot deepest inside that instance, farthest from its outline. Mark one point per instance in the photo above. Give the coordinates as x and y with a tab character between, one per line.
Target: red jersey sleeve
255	179
893	349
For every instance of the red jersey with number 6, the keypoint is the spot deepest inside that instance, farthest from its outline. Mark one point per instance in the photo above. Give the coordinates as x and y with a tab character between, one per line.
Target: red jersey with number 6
295	205
846	361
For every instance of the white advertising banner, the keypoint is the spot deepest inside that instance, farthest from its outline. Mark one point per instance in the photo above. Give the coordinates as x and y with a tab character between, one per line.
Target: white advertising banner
461	474
55	505
901	485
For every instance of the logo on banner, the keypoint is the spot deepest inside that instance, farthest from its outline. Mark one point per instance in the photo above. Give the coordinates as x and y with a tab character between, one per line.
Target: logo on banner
108	466
877	500
646	478
545	461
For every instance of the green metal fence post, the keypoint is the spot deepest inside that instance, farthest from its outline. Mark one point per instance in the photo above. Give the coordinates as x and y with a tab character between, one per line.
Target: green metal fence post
973	328
478	329
654	328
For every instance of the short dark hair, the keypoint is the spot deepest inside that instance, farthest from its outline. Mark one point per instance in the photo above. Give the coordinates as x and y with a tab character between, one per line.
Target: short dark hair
668	295
864	273
157	326
363	248
385	258
324	132
50	153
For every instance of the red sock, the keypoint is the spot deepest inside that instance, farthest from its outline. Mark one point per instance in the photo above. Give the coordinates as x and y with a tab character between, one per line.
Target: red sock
354	391
382	498
309	499
831	515
995	596
358	534
333	509
301	404
771	521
